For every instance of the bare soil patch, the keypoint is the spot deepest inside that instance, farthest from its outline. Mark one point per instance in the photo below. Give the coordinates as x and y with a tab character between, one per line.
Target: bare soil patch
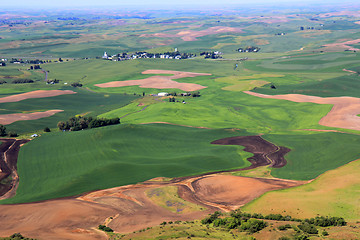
192	35
232	192
6	119
265	153
350	71
35	94
9	150
342	46
58	219
160	82
128	208
342	115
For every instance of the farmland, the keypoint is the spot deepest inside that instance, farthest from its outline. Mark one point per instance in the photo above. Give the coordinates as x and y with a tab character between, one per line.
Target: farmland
293	104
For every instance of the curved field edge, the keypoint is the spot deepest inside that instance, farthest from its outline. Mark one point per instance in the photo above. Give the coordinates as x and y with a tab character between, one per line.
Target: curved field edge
70	163
227	110
334	193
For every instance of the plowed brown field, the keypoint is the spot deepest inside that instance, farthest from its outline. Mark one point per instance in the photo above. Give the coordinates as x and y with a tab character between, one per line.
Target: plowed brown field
128	208
159	82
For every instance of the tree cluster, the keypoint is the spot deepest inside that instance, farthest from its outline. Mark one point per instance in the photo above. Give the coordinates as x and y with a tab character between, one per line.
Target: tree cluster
308	228
33	61
326	221
19	81
35	67
3	132
250	225
80	123
105	228
18	236
76	84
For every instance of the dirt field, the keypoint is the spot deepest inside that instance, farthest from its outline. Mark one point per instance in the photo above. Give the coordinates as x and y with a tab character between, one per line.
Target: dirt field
35	94
6	119
160	82
342	46
191	35
265	153
9	150
350	71
342	115
131	209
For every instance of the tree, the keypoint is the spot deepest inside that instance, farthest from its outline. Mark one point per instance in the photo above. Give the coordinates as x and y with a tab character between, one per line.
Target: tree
2	130
46	129
13	134
61	125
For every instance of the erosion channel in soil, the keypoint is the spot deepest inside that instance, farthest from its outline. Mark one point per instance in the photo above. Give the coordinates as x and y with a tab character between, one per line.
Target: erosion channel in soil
130	208
9	150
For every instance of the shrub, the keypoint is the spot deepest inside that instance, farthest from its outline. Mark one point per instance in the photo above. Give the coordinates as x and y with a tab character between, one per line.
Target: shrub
284	227
2	130
76	84
301	237
211	218
47	129
13	134
18	81
252	225
105	228
308	228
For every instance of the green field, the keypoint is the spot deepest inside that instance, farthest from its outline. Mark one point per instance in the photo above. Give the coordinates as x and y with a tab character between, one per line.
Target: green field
70	163
307	158
62	164
83	102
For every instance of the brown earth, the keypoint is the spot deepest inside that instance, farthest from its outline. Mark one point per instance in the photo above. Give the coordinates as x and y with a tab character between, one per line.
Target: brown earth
160	82
128	208
6	119
9	150
350	71
35	94
340	13
191	35
265	153
342	115
342	46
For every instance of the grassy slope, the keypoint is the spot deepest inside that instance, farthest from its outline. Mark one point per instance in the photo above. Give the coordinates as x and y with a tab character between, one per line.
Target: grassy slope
198	231
69	163
335	193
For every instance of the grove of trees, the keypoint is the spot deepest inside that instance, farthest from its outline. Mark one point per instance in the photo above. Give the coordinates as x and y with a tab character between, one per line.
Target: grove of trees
80	123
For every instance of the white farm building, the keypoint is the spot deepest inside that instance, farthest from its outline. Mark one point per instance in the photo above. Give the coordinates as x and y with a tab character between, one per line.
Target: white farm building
163	94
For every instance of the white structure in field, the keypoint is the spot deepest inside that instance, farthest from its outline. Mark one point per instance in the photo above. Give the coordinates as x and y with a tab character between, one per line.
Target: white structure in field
105	55
162	94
